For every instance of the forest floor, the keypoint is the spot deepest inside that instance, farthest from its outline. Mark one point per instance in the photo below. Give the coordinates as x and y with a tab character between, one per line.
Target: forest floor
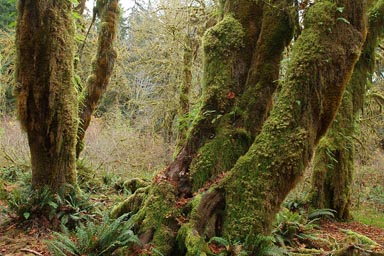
105	187
17	240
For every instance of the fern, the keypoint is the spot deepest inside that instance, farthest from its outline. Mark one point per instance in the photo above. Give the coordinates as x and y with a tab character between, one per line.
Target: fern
95	239
318	213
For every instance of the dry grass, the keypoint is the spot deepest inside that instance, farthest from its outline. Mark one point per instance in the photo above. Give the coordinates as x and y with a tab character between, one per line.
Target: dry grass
112	148
14	148
119	149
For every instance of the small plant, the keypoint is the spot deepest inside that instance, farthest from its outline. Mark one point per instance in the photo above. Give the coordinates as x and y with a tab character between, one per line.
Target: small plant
295	228
87	177
95	239
15	174
67	207
24	202
260	246
264	246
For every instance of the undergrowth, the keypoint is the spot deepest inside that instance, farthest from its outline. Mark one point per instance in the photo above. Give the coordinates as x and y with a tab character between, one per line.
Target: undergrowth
94	238
67	207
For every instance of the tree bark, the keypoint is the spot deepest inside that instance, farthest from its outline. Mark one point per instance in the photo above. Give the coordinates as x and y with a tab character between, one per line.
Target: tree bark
334	158
233	172
102	66
46	97
184	89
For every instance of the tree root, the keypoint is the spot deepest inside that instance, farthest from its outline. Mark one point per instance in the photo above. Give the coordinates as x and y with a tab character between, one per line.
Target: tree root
131	204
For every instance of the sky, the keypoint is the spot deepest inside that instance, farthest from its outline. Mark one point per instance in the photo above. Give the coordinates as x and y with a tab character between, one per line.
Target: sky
125	3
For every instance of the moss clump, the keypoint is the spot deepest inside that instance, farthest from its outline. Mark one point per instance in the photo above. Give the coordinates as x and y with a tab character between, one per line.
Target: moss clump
131	204
190	243
322	17
224	38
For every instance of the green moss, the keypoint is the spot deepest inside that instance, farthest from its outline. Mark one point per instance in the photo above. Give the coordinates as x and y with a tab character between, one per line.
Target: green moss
131	204
307	103
45	76
158	216
190	242
218	156
223	38
333	163
322	17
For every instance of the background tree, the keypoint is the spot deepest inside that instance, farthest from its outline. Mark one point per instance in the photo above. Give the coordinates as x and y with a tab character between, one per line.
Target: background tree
102	66
242	55
334	158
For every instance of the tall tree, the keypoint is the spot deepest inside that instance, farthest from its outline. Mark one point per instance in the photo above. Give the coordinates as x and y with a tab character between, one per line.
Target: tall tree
46	96
240	160
334	158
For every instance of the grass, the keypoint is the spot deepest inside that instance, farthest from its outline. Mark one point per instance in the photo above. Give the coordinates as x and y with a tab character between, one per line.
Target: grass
369	216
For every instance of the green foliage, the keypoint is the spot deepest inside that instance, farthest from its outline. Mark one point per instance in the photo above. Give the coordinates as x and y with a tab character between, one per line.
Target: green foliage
66	207
7	14
294	228
95	239
86	177
369	216
261	246
13	173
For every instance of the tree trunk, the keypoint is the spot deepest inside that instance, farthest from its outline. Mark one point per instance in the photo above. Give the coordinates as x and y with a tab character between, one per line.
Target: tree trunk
46	97
333	163
184	89
102	66
233	172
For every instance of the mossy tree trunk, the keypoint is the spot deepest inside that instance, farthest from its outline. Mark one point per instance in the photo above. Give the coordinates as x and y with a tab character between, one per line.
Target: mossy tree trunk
240	159
102	66
46	97
334	158
189	48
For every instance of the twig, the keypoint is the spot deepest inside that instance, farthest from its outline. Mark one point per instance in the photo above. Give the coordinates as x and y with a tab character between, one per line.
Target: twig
31	251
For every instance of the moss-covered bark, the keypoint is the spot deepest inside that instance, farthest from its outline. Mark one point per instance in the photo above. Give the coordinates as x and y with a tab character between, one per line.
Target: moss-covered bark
184	89
322	62
46	97
102	66
333	163
233	172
